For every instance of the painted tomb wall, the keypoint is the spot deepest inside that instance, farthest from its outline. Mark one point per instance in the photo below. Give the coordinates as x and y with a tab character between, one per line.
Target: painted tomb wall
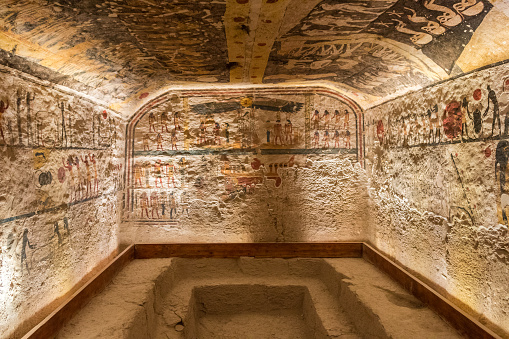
245	166
437	162
61	158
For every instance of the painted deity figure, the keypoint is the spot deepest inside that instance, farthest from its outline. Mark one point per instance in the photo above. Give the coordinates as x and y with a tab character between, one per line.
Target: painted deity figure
326	139
152	122
346	120
138	175
144	203
315	118
176	120
336	139
337	119
278	133
288	132
316	140
174	140
326	119
146	139
173	205
347	139
164	122
170	173
158	173
69	166
154	204
203	133
159	141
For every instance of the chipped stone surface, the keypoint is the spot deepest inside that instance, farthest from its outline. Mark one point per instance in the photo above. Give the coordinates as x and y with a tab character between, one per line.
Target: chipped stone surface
437	164
61	174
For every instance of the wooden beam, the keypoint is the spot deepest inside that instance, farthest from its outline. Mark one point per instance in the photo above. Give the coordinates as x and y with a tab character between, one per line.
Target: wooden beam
260	250
54	322
455	316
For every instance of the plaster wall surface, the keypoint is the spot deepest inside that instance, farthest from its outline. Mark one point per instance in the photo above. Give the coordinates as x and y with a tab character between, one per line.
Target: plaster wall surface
246	167
437	162
60	165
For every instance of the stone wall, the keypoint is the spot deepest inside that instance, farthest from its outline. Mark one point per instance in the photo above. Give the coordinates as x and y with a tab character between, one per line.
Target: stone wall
437	162
61	158
244	166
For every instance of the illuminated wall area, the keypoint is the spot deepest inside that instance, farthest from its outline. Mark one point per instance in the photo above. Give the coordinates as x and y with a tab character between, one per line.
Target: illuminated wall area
61	171
265	165
437	167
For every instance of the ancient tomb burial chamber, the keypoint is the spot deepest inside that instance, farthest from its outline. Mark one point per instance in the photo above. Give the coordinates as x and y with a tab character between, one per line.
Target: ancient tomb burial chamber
128	122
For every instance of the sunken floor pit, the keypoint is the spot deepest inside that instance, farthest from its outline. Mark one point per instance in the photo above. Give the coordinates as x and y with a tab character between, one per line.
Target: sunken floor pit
246	297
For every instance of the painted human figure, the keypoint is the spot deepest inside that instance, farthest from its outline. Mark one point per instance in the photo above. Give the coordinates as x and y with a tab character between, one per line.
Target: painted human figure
227	132
174	140
278	132
66	226
316	140
346	123
326	139
203	132
268	128
164	122
170	171
25	243
217	134
336	139
184	203
96	178
146	139
137	175
492	99
337	119
68	165
88	182
159	141
144	203
316	119
173	205
152	122
3	108
154	204
176	120
158	173
326	119
464	114
347	139
288	132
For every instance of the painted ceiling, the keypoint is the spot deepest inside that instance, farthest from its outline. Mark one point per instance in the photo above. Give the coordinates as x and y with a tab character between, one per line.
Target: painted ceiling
370	49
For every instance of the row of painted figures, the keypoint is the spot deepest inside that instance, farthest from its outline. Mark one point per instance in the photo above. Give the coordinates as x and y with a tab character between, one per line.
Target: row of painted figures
461	121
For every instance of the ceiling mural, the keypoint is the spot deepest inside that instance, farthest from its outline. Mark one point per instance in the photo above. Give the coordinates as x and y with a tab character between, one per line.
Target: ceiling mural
358	43
125	49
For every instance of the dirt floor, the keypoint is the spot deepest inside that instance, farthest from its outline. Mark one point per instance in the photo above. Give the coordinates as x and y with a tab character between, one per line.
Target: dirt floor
254	298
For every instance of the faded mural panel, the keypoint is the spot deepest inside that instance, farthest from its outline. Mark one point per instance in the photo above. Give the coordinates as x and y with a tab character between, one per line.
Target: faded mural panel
207	161
438	162
60	170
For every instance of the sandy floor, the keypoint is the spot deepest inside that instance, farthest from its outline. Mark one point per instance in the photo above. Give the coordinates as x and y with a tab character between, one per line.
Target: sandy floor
254	298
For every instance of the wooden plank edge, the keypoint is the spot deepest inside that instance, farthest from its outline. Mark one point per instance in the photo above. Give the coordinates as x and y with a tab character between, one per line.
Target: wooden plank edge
259	250
55	321
455	316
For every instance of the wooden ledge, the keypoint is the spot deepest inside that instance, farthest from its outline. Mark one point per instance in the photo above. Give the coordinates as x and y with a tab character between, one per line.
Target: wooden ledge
54	322
456	317
259	250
